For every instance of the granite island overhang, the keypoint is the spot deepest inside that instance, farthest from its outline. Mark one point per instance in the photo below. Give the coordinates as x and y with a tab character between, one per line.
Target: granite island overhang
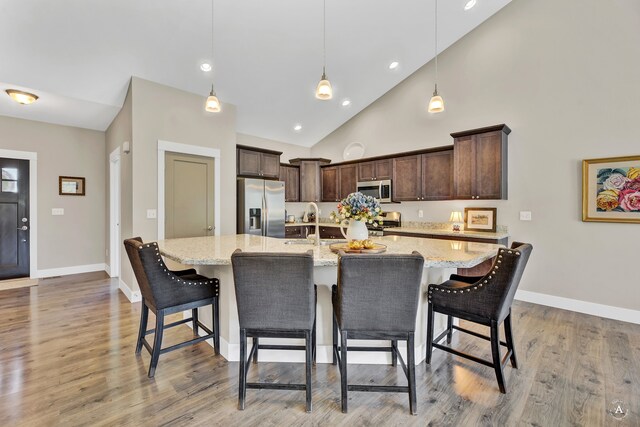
211	256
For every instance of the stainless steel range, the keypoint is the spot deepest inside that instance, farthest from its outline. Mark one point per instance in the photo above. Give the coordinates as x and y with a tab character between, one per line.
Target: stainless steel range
390	220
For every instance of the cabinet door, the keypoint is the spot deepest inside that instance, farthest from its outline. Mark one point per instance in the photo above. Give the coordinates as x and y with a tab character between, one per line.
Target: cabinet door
330	187
384	169
291	177
331	233
248	162
293	232
437	175
309	181
407	178
366	171
269	165
347	177
464	155
490	171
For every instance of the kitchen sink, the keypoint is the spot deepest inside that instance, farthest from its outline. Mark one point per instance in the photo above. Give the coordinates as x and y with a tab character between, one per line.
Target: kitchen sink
323	242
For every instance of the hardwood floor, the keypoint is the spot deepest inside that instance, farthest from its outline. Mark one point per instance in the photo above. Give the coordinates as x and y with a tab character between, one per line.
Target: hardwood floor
67	358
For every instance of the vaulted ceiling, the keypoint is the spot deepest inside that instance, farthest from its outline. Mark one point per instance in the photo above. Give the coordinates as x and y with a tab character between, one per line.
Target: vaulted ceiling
78	55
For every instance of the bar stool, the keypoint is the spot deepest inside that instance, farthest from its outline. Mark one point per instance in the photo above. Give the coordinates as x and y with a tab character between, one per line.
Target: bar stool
166	292
276	298
485	300
377	299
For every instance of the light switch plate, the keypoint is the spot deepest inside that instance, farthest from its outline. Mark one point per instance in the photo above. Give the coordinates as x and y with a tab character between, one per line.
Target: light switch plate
420	213
152	214
525	216
57	211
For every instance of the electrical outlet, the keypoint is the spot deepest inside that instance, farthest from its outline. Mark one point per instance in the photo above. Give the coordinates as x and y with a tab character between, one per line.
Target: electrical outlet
57	211
525	216
152	214
420	213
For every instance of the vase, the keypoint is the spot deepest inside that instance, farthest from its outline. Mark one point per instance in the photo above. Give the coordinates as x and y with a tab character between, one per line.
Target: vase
356	230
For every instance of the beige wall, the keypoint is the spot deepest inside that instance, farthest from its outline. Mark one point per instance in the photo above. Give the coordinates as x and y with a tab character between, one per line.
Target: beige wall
564	76
119	131
76	238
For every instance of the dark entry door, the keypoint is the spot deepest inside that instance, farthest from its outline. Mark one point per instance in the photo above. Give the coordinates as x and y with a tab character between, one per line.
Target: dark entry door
14	218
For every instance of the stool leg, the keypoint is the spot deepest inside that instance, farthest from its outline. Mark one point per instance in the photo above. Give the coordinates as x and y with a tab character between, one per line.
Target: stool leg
242	392
429	334
308	363
411	366
394	355
216	324
144	317
335	340
314	340
343	371
509	337
495	352
157	342
194	315
256	345
449	329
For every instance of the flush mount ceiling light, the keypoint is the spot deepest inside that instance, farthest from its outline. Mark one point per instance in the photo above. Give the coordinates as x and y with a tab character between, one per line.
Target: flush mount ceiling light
213	103
297	127
468	5
24	98
206	67
324	91
394	65
436	104
346	102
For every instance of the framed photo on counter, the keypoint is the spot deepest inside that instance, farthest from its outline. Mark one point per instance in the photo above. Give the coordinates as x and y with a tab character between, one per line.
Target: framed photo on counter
480	219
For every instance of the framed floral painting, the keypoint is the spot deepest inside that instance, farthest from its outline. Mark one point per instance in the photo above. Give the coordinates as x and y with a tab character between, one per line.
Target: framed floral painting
611	189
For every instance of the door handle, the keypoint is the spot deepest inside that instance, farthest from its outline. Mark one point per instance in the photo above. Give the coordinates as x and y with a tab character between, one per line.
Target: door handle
23	228
209	228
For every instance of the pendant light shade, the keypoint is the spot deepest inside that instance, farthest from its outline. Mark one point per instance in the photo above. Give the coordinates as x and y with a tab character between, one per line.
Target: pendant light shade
436	104
213	104
324	90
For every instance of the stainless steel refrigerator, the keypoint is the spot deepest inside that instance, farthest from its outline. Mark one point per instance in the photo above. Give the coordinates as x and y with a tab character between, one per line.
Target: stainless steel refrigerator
261	207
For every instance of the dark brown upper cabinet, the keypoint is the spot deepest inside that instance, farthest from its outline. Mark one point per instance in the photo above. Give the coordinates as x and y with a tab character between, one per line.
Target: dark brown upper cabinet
338	182
291	176
257	162
426	176
480	163
310	178
375	170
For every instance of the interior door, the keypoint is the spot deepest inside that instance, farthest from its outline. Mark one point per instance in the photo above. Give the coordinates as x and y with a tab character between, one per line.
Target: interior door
188	196
14	218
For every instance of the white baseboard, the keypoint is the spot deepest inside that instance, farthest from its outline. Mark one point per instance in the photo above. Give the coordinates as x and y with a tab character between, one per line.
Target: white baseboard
132	296
107	269
594	309
65	271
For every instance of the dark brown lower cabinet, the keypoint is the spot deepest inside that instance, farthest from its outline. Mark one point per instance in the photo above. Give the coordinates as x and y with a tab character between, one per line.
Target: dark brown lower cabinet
331	233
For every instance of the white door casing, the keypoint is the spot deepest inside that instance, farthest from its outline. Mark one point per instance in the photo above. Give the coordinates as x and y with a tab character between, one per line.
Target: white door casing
114	213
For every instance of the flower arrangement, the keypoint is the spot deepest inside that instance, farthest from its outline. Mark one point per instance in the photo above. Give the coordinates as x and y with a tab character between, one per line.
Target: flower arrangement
619	189
358	207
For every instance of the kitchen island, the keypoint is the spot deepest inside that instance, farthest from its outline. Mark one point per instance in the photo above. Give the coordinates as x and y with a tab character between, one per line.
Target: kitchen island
211	256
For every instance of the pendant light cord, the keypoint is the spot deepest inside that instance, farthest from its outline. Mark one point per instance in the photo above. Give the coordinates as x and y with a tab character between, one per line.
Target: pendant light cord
212	61
324	35
436	31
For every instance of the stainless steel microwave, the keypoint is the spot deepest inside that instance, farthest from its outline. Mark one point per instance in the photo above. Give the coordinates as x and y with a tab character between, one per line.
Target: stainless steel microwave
381	190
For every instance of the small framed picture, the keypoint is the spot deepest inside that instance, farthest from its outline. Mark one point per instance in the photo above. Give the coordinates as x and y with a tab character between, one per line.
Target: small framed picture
611	189
71	186
480	219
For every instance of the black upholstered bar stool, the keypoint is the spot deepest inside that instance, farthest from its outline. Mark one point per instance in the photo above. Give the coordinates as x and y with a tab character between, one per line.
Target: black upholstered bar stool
485	300
276	298
377	299
166	292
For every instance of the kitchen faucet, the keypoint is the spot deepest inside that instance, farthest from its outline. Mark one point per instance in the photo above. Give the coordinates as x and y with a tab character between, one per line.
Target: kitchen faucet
316	236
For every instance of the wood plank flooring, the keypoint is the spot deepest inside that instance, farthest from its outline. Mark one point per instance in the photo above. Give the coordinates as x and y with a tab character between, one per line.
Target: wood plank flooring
67	358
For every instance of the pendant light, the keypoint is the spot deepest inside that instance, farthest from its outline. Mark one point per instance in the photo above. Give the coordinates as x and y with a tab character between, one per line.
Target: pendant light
213	104
324	90
436	105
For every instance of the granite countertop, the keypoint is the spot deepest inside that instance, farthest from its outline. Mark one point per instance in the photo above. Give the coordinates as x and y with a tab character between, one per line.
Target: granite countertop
217	250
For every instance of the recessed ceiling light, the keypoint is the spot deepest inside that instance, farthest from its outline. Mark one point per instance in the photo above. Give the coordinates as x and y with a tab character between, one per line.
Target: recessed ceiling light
297	127
394	65
206	67
346	102
24	98
468	5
